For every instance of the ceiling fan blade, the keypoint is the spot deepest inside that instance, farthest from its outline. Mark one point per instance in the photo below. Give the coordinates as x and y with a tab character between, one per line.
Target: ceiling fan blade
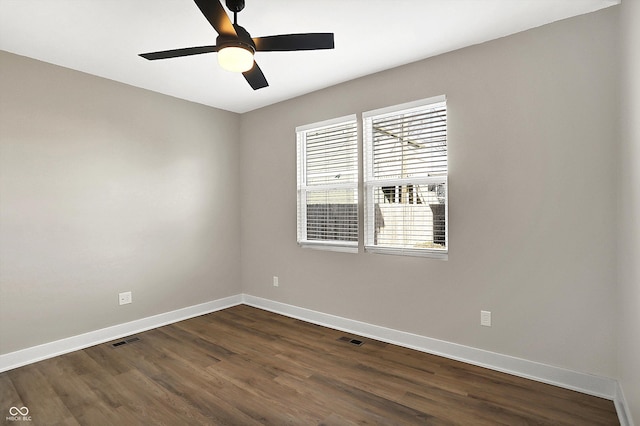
217	16
187	51
288	42
255	77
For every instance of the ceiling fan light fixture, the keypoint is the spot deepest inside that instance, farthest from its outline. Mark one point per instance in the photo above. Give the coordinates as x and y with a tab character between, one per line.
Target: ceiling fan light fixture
235	58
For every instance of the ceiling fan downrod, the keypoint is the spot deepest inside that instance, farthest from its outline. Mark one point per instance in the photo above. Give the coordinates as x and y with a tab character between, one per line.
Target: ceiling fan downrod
235	6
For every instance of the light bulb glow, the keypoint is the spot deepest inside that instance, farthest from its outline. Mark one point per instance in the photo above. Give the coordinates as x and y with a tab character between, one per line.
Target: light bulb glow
235	59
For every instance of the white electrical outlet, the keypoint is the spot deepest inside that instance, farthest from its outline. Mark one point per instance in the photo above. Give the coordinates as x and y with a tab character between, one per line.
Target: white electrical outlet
124	298
275	281
485	318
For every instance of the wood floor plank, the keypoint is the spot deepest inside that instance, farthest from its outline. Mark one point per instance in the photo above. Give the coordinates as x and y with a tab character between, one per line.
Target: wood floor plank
246	366
148	402
342	407
8	393
37	394
102	354
258	384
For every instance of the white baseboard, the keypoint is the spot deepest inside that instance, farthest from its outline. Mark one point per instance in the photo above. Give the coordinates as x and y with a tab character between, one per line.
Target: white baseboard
603	387
33	354
624	415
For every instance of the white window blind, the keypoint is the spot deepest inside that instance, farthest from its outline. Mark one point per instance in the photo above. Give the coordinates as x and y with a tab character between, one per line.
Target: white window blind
328	184
405	179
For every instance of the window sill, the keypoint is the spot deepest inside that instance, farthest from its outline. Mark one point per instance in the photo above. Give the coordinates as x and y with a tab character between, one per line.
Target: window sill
432	254
344	248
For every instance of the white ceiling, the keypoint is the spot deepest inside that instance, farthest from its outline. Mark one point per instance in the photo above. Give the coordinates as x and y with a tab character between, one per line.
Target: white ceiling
104	38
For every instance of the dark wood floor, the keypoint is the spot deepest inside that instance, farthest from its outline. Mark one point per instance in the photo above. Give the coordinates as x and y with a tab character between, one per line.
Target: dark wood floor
245	366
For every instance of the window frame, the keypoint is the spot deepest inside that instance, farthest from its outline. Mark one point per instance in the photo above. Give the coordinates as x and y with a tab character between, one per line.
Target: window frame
370	182
303	187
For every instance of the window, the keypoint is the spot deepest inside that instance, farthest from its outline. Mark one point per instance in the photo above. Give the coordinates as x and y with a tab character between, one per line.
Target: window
405	179
328	184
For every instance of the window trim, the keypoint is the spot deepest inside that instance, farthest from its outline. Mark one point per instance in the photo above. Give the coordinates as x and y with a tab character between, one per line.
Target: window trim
302	188
369	183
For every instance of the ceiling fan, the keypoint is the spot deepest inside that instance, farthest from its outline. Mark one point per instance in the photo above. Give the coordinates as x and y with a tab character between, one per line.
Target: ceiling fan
236	47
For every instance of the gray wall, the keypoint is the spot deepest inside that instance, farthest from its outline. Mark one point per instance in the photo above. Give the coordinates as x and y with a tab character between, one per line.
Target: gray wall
532	145
629	209
107	188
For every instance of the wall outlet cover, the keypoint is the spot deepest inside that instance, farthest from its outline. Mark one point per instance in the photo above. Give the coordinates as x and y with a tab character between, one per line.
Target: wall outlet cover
485	318
124	298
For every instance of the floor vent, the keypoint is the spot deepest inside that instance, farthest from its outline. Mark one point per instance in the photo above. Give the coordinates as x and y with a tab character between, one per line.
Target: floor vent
124	342
355	342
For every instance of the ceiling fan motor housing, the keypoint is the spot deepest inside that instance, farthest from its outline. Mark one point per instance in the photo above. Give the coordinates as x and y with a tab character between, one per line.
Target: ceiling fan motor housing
243	40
